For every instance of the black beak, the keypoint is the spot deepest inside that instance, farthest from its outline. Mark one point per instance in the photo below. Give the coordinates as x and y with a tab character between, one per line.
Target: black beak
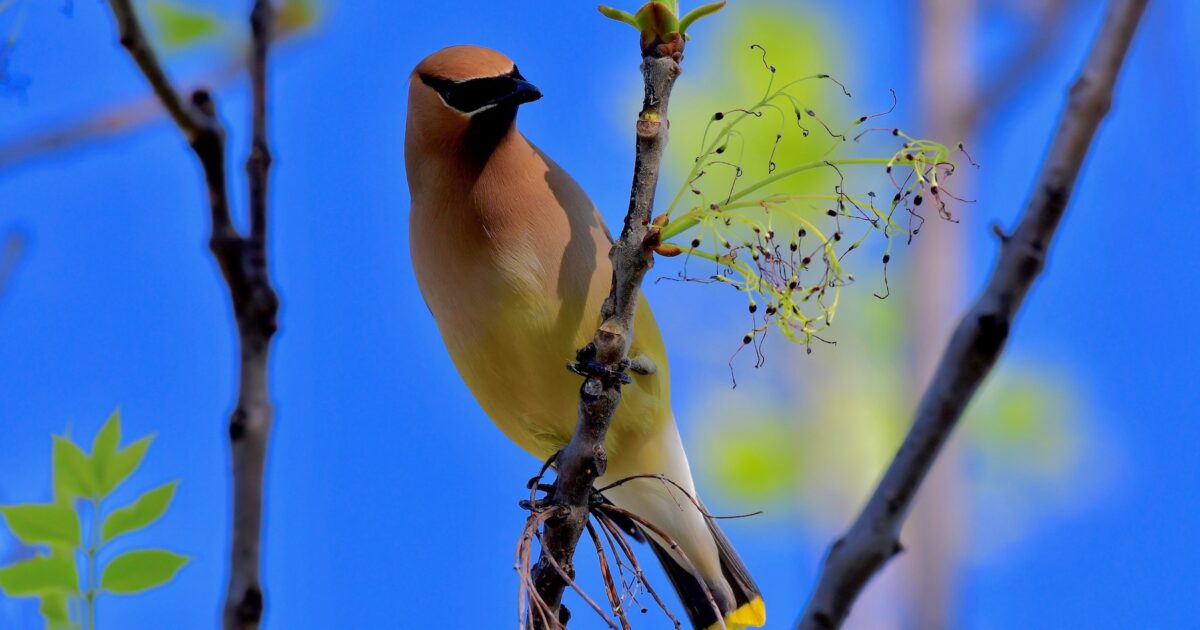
476	95
522	92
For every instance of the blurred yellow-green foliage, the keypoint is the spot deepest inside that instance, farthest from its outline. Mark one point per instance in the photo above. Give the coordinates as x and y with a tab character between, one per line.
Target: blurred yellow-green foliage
810	435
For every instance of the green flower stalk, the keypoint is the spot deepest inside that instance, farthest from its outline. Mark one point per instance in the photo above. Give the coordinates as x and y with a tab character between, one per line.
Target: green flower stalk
786	252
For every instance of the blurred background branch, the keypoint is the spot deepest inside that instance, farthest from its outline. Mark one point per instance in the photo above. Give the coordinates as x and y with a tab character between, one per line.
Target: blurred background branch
11	249
874	538
175	28
243	262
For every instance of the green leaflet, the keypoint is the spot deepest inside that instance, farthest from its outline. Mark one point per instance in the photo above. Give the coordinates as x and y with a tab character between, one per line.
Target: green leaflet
179	26
147	509
72	471
40	576
139	570
123	463
104	448
49	524
55	610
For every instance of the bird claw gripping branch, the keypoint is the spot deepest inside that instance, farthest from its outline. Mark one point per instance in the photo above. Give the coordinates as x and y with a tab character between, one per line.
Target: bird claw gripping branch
586	365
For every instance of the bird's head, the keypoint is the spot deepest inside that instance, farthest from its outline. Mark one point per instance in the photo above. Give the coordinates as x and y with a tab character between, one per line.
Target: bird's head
463	88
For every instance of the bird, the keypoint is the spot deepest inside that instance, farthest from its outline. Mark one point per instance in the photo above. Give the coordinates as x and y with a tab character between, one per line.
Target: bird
511	257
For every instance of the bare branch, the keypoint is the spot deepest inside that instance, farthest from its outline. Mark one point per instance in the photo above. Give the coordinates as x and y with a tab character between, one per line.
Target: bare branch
874	538
256	306
243	263
190	121
604	361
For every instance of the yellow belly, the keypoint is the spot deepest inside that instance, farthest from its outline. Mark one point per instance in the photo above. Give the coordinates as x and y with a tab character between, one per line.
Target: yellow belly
515	366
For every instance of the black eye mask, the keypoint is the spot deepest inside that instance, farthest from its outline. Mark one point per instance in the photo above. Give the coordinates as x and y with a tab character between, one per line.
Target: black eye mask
475	95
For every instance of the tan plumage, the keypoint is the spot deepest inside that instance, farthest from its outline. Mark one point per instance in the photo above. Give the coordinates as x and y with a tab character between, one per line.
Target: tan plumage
511	257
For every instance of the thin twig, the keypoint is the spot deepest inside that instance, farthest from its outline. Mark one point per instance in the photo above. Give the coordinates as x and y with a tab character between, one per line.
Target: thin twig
604	361
571	582
627	549
256	309
610	584
190	121
874	538
243	263
672	546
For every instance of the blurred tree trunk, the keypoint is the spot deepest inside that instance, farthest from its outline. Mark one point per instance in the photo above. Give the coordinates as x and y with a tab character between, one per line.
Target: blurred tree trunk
948	92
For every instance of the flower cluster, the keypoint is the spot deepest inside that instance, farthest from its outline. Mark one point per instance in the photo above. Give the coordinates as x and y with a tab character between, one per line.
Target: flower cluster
786	251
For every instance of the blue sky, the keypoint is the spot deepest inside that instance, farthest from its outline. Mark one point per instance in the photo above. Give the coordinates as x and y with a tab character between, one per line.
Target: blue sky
391	498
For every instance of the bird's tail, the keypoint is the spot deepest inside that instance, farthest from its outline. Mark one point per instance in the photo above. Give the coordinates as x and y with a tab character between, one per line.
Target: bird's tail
746	608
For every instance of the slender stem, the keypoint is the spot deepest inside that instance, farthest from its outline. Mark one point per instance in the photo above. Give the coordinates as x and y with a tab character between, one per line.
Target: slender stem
689	221
93	549
800	168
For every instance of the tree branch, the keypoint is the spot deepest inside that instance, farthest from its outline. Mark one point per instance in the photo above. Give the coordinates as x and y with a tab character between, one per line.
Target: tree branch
255	305
243	263
874	538
603	362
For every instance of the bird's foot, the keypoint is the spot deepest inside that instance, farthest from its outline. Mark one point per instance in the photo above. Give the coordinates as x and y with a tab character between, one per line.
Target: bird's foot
586	365
535	485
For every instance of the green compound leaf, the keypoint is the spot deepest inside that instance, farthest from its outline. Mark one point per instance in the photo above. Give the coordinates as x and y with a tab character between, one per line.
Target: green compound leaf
104	447
72	470
179	26
43	575
43	524
140	570
123	463
148	508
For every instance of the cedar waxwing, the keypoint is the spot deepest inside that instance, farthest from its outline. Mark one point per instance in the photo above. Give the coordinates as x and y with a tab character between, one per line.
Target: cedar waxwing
512	259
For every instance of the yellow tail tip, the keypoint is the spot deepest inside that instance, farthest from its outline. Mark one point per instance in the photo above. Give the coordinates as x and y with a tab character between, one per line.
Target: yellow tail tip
751	615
